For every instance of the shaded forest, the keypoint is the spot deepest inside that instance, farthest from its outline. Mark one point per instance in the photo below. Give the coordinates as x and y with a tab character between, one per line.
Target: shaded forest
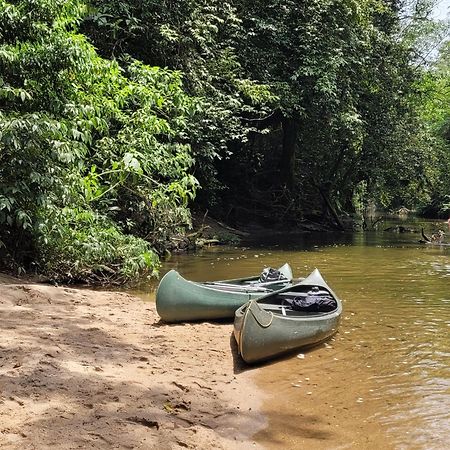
120	118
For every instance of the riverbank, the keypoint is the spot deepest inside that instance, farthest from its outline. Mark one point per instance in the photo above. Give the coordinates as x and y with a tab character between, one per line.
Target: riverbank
91	369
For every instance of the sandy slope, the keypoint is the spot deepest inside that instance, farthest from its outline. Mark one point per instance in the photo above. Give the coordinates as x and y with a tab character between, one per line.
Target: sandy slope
89	369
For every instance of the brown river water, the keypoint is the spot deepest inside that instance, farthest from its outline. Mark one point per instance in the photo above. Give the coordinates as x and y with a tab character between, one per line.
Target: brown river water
383	381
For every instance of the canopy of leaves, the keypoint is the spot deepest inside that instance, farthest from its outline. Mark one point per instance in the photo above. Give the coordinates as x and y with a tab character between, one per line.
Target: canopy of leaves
200	39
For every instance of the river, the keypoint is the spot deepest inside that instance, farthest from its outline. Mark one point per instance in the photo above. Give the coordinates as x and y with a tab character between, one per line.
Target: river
384	380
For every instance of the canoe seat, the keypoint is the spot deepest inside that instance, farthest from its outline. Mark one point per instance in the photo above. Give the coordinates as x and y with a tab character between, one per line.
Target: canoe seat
237	288
278	308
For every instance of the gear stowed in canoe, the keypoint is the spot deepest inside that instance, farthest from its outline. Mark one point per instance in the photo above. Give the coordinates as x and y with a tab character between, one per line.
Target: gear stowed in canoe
300	315
178	299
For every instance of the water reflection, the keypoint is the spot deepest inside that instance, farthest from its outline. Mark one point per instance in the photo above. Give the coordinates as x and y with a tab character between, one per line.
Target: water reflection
384	380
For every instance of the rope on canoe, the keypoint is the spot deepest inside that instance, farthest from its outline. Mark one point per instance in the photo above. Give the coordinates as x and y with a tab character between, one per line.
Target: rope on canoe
259	321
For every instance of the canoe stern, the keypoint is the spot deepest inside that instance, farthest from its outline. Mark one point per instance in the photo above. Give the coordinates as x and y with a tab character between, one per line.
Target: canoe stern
178	299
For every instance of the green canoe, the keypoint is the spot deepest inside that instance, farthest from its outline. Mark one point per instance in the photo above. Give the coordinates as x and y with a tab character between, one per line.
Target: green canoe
267	327
178	299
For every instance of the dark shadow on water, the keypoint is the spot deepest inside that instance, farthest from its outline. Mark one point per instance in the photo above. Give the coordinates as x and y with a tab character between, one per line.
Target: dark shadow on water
299	241
298	427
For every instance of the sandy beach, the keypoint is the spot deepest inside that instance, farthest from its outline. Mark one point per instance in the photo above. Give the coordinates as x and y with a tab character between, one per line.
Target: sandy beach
95	369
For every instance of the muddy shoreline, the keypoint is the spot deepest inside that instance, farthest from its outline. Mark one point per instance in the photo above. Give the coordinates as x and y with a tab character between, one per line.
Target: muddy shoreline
91	369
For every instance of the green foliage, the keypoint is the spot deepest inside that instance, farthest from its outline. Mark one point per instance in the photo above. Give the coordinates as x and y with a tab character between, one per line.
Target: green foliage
77	131
199	38
346	73
341	78
81	245
434	112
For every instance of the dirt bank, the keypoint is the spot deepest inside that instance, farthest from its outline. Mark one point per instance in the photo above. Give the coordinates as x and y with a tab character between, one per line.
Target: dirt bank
89	369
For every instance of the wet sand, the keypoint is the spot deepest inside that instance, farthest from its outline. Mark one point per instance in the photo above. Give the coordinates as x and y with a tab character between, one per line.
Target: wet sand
89	369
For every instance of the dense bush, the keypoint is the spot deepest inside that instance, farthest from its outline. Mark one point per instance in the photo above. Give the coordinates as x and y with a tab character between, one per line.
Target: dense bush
85	246
83	135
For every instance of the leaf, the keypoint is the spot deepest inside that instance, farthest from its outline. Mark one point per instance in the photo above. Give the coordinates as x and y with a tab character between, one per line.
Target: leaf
130	162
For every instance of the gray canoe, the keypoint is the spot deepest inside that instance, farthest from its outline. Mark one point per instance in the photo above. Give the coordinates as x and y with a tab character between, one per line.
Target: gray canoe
178	299
266	327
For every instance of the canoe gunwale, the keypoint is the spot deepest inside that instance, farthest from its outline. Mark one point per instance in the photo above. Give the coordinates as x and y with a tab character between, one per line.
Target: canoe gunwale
200	284
216	287
285	269
301	317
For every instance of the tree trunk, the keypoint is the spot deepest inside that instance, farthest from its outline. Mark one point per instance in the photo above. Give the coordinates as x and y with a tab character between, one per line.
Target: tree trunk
330	208
287	162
